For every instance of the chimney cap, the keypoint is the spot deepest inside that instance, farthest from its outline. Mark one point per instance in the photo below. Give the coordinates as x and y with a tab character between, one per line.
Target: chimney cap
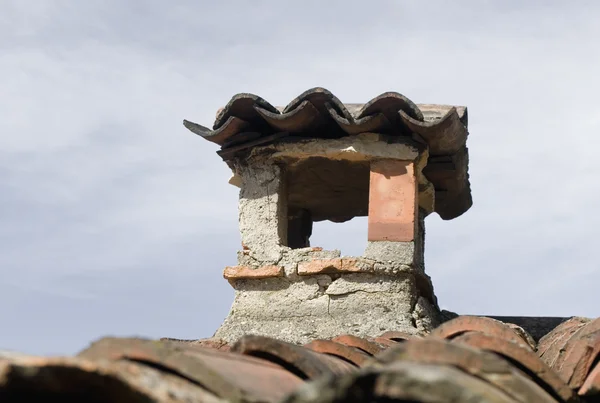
248	122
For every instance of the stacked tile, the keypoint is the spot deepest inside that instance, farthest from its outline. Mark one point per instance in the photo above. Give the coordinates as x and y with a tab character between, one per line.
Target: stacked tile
249	121
465	359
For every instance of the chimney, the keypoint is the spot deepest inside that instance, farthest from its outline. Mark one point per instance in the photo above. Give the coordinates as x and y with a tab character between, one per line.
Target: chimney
318	159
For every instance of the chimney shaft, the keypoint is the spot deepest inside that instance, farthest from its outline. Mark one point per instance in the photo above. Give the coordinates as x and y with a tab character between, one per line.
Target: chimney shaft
318	159
299	293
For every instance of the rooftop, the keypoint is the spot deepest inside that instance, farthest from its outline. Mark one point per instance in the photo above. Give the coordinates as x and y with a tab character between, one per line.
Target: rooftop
465	359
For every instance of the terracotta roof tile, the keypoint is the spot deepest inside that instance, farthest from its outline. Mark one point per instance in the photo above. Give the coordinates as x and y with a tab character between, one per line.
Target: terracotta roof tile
463	324
398	336
351	354
301	361
466	358
32	379
368	346
401	382
579	354
228	376
550	346
524	359
385	341
478	363
215	343
523	334
535	326
591	386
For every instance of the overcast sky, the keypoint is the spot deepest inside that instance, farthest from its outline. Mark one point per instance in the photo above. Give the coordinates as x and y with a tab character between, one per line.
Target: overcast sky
115	220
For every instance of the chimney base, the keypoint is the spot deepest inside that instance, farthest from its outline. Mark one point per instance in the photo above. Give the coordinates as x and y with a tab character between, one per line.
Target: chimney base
299	309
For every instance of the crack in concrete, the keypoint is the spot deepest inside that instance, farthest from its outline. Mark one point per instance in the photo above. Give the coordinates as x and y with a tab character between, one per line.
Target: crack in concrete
357	291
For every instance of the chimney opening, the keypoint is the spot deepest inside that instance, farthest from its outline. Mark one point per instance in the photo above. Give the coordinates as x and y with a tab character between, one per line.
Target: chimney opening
322	189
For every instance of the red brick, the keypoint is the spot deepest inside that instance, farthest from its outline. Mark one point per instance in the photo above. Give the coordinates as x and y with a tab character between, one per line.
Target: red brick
353	265
393	201
328	266
320	266
245	272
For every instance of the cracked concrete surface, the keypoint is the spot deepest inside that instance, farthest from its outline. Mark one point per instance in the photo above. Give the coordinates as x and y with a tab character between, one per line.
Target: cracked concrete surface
298	310
389	292
262	212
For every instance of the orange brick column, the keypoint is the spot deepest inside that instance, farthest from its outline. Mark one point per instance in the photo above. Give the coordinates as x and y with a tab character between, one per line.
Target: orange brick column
393	201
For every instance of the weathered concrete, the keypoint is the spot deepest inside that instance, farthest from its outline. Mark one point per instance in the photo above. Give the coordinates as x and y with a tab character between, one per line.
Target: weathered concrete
288	258
396	254
262	210
362	147
323	306
402	253
298	183
426	316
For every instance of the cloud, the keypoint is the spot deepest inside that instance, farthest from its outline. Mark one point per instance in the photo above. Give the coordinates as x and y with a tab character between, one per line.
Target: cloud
116	220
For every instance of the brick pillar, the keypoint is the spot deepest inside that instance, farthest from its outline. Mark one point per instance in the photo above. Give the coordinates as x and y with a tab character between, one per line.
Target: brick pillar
393	201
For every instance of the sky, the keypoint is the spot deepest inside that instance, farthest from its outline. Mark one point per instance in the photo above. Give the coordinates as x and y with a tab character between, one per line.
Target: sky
116	220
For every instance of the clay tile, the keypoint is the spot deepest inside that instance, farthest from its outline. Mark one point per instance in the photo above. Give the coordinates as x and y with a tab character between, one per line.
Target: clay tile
550	345
26	379
351	354
301	361
591	386
463	324
478	363
217	344
386	342
226	375
320	266
398	336
523	334
369	347
401	382
245	272
525	359
414	382
580	353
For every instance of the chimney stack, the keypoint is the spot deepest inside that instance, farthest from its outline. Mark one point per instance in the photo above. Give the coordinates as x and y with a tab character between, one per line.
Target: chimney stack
318	159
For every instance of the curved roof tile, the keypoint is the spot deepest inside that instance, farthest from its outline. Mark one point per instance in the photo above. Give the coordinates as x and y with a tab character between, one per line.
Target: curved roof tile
464	324
526	360
467	357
